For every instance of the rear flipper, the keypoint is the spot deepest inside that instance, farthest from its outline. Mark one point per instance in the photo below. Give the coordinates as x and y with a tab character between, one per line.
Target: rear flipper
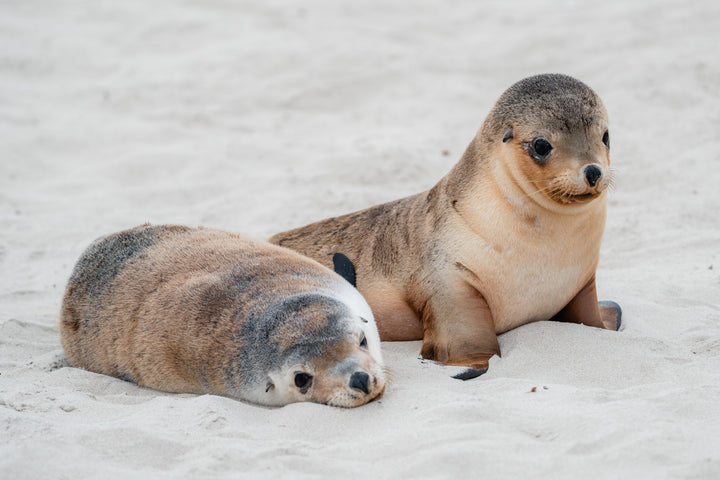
344	267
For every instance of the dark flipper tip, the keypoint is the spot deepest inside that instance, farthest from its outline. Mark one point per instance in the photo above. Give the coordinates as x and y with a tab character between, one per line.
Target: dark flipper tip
344	267
614	306
470	373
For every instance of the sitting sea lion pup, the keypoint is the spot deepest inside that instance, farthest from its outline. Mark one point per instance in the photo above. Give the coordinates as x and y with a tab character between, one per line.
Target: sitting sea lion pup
205	311
511	235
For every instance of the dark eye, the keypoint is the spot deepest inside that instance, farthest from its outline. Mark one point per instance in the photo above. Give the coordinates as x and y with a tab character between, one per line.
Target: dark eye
303	381
606	139
542	148
363	342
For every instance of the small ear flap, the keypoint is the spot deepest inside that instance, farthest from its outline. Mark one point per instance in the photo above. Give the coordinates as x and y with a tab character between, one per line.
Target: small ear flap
344	267
508	135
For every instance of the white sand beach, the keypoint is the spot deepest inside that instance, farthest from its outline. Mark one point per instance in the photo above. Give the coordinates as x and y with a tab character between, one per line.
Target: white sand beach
257	117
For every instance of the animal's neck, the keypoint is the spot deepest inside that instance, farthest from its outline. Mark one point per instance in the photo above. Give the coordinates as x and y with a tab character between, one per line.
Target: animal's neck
458	183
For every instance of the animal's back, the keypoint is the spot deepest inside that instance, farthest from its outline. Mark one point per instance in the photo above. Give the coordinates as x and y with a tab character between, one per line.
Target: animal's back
93	276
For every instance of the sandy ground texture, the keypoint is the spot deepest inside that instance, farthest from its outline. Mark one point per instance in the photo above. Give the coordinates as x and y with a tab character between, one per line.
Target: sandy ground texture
260	116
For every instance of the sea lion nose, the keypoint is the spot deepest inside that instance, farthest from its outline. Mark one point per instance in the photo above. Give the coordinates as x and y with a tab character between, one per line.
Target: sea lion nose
359	381
592	174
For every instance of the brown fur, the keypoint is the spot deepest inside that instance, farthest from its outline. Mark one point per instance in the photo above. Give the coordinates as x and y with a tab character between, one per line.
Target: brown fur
205	311
502	240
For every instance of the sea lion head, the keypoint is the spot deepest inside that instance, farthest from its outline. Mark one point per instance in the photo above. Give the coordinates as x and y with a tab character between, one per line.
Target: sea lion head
319	350
552	132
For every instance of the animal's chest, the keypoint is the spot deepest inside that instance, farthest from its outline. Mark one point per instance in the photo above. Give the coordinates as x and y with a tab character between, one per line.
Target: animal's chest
530	276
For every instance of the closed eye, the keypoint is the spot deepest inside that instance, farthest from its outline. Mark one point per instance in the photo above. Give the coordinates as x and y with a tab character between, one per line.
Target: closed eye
363	342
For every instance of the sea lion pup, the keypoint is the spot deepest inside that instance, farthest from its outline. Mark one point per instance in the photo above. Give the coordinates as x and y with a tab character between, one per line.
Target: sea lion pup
205	311
511	235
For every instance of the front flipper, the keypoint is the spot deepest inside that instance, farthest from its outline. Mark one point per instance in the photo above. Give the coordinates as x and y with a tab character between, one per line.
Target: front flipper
459	330
469	374
585	309
611	313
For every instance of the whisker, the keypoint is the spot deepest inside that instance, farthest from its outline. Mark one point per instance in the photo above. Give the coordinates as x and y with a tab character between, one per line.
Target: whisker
613	176
548	187
388	375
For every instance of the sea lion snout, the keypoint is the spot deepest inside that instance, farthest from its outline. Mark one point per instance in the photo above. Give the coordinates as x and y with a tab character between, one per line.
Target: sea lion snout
592	174
359	381
356	380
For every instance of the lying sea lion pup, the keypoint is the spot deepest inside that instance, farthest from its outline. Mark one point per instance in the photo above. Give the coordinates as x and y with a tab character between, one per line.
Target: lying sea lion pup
205	311
510	236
